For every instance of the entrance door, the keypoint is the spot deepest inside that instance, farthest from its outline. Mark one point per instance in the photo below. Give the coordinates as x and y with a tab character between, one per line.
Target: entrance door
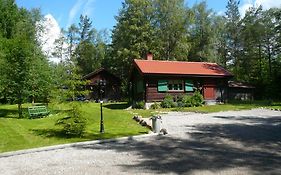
209	92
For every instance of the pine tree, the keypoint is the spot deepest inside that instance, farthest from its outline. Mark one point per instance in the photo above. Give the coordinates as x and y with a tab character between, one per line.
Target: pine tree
133	36
233	28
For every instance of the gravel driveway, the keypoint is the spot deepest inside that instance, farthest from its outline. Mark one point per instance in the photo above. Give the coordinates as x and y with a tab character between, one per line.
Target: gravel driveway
240	142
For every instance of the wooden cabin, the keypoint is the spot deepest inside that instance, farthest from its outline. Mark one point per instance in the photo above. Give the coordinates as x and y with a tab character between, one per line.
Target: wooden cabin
152	79
240	91
103	85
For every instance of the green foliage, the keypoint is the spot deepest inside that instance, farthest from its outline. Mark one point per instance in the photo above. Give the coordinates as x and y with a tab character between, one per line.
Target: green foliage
197	99
202	33
68	82
187	100
74	124
171	21
139	105
24	69
133	36
183	101
89	53
168	102
155	106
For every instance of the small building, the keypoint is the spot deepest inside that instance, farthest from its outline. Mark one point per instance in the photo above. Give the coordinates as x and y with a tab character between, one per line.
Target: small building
240	91
151	80
103	85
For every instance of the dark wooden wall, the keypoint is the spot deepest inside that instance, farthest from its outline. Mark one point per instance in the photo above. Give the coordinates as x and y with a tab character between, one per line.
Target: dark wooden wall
112	90
207	86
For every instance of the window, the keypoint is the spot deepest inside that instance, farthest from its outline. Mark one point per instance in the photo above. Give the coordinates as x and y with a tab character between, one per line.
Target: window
162	85
175	85
188	87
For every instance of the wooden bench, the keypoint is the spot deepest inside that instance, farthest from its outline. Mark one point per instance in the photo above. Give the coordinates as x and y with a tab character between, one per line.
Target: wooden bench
38	111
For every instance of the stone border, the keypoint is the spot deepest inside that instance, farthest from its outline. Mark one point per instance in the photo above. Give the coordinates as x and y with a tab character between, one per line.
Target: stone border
70	145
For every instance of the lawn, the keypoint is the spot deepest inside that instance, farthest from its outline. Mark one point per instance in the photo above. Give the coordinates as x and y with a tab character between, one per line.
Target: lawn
230	106
16	134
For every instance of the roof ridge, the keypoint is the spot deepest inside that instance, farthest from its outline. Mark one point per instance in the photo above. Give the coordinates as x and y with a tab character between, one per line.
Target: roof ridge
176	61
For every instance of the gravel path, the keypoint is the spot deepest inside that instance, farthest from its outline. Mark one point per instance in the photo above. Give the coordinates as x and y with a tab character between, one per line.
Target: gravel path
243	142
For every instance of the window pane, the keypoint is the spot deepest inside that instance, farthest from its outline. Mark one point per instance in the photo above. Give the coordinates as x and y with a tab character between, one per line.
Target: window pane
170	86
180	86
162	85
175	86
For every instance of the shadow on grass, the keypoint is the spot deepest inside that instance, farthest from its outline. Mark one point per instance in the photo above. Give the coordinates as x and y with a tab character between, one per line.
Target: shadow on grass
117	106
254	145
12	113
58	133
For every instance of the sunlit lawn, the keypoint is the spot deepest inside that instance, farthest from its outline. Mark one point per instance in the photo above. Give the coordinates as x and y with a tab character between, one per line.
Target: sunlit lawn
25	133
230	106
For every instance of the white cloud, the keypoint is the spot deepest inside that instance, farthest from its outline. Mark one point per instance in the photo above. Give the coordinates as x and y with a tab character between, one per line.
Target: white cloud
48	30
89	7
266	4
85	7
244	8
74	10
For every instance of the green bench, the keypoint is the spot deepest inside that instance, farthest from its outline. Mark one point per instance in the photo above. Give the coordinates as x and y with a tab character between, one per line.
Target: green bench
38	111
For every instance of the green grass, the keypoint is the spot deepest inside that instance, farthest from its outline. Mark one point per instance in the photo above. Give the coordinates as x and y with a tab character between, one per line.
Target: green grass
16	134
231	106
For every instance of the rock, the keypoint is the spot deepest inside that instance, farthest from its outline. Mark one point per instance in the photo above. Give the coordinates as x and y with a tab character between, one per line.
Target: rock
164	131
138	119
149	127
142	122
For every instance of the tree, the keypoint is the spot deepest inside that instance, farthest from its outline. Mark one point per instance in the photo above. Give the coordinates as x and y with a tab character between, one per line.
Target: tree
18	64
232	33
21	56
202	34
133	35
88	51
60	49
220	41
171	20
8	18
71	40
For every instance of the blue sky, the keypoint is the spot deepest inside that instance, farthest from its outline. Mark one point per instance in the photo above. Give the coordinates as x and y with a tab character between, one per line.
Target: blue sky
101	12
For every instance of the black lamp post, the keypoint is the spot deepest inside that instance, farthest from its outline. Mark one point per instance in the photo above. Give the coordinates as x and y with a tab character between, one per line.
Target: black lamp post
102	84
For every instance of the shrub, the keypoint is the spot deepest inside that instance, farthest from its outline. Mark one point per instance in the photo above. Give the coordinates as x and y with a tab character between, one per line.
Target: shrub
168	102
139	105
197	99
74	124
186	100
155	106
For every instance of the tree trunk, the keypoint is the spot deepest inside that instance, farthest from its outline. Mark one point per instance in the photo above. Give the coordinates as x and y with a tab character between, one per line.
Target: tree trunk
20	110
269	60
260	61
33	100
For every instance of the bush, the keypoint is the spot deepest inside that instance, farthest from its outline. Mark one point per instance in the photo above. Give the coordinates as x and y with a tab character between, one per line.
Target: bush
197	99
74	124
168	102
186	100
155	106
139	105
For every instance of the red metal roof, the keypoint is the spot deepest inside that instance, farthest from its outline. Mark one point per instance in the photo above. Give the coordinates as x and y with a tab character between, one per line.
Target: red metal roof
180	68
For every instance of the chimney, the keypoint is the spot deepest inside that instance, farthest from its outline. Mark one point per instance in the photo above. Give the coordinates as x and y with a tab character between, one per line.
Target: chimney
149	56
